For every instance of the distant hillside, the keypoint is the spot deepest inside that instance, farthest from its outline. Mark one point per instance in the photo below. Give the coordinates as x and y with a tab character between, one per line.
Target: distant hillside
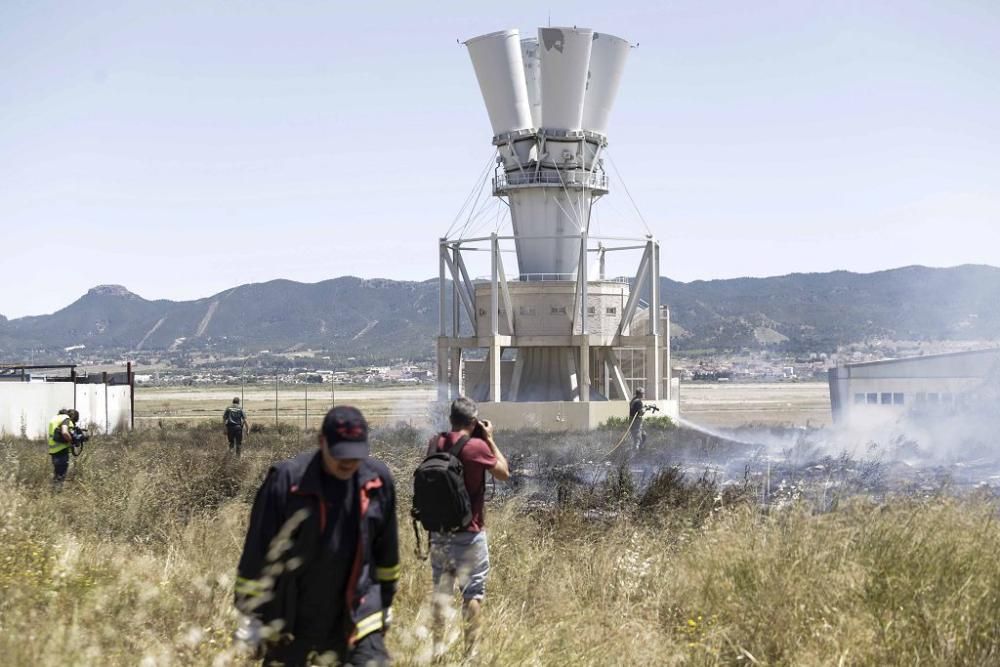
818	311
382	319
350	316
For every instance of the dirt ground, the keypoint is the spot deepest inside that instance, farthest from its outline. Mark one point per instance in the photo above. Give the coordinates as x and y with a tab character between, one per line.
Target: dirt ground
718	405
729	405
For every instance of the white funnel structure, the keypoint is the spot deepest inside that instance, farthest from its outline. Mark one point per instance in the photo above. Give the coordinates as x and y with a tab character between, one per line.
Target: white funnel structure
565	63
533	78
497	60
607	62
549	100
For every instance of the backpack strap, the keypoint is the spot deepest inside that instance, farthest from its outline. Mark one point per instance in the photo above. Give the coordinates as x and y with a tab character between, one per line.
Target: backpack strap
432	446
455	449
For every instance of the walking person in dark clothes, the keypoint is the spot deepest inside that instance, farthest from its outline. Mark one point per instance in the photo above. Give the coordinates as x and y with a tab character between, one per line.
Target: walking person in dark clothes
321	559
236	423
462	557
636	409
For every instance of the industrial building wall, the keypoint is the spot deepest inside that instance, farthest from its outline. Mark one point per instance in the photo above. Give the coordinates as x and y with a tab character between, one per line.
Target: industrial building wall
27	407
886	389
975	364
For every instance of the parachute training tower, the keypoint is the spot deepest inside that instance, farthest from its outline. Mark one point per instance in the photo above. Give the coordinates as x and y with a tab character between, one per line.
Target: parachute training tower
549	100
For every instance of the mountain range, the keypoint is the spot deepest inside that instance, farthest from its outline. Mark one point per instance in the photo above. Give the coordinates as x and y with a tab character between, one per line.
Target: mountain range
385	319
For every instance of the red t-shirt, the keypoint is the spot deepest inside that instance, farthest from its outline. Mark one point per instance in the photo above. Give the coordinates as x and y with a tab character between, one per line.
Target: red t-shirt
477	460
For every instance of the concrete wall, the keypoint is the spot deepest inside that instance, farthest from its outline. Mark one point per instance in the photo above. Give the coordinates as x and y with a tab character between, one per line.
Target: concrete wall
27	407
103	407
546	308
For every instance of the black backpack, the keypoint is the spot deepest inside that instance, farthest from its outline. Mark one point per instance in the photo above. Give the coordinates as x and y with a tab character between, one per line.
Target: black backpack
440	500
234	417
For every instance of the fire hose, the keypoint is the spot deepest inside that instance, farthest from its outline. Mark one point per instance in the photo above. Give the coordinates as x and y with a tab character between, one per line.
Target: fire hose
628	429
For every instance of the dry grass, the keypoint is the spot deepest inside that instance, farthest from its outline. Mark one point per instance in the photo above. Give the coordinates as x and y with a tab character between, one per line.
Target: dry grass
133	565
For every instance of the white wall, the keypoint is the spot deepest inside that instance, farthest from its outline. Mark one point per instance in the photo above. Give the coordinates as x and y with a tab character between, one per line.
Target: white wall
27	407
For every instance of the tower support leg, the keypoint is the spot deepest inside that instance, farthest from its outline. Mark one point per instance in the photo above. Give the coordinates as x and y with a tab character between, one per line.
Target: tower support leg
494	362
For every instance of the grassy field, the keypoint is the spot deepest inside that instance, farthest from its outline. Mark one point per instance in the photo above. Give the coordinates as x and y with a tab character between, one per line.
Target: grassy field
133	564
718	405
382	405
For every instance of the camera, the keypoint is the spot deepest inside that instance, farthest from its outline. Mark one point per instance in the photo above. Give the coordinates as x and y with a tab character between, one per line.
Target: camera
480	429
78	436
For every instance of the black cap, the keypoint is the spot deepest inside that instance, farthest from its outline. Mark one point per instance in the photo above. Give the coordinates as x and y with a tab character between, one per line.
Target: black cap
346	433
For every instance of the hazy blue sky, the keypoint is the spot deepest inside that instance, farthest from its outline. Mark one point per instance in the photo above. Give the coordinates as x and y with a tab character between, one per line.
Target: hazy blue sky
181	147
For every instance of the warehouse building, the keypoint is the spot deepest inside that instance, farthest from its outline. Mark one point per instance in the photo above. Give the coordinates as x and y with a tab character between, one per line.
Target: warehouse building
887	388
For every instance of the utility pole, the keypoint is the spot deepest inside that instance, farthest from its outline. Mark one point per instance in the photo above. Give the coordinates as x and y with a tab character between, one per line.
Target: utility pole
276	398
307	403
243	381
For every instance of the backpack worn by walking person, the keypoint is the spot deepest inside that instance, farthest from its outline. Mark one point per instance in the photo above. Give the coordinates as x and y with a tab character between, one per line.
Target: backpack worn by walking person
441	502
234	418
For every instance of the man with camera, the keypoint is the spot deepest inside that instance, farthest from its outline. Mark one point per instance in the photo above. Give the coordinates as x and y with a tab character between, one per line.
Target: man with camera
462	556
60	438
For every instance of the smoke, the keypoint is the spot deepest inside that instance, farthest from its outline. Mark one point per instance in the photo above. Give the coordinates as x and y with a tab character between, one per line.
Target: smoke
930	448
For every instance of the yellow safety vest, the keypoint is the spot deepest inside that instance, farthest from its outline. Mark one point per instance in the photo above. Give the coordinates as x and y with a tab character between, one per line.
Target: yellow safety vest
54	425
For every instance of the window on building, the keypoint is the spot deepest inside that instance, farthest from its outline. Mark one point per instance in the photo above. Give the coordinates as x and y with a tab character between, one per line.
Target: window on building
897	399
859	399
921	397
932	397
613	310
872	398
591	310
947	397
526	310
558	310
886	398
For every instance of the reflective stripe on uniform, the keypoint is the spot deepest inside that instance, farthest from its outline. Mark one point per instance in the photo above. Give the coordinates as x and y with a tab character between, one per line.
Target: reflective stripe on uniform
390	573
368	625
250	587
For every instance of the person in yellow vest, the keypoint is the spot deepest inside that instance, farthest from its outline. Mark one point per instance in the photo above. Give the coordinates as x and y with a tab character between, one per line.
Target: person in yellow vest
60	439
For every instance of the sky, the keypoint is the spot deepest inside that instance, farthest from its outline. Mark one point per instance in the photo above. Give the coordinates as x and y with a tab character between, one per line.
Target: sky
182	148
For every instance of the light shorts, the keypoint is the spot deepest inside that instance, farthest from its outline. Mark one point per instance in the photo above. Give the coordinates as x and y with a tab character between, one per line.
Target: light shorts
461	558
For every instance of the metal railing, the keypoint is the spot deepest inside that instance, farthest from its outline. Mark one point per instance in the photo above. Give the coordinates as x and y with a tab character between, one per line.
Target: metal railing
571	179
553	277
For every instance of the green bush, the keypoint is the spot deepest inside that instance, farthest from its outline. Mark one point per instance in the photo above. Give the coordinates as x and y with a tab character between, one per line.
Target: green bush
653	423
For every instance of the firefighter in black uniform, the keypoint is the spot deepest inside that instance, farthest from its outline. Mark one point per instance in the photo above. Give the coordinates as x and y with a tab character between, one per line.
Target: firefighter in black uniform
321	559
636	409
